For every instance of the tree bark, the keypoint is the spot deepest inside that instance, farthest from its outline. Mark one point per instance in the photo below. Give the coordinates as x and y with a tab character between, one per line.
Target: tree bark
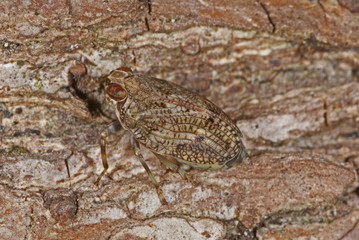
287	72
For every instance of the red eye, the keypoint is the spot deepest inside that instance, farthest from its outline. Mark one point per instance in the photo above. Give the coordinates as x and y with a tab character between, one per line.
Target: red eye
116	92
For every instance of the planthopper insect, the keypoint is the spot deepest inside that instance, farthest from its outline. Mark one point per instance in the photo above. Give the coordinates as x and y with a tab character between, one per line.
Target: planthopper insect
176	124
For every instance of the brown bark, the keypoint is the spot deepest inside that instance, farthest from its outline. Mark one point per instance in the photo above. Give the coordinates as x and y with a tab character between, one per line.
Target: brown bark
285	71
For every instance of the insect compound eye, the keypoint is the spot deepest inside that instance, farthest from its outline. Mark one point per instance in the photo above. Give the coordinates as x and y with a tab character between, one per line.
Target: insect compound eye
116	92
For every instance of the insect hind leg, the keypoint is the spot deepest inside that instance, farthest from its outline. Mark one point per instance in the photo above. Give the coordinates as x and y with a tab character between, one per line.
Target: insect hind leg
174	167
137	150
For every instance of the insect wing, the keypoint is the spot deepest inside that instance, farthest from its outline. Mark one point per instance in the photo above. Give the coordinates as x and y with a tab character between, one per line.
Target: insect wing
177	122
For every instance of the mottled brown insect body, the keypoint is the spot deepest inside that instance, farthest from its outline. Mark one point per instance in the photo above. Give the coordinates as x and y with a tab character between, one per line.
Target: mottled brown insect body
175	122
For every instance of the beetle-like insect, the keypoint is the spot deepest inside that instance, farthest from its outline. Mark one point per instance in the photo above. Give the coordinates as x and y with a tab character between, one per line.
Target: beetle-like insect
173	122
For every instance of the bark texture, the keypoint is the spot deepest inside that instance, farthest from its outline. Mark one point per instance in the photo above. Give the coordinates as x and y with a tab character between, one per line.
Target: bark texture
287	72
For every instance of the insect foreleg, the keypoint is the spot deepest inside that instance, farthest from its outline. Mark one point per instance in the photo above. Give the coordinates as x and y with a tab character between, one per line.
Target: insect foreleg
137	150
111	128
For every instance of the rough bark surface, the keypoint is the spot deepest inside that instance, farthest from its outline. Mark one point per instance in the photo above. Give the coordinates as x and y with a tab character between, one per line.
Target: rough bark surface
287	72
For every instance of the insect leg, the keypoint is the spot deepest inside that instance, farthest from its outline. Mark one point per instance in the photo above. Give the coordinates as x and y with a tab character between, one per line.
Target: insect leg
111	128
136	148
173	166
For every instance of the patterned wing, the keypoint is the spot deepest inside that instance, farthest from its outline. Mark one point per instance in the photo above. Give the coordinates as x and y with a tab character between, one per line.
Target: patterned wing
176	122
